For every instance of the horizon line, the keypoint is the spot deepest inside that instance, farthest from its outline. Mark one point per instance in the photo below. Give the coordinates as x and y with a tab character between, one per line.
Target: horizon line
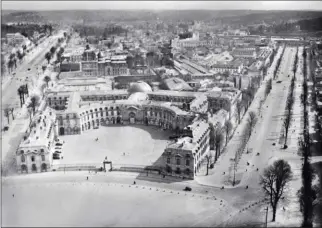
317	10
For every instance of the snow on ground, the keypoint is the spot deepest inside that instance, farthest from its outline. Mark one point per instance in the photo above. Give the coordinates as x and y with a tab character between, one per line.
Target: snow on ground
142	145
222	173
106	204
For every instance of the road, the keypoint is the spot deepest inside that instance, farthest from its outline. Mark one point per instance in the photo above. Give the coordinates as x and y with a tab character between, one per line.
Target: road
269	128
10	139
222	173
33	61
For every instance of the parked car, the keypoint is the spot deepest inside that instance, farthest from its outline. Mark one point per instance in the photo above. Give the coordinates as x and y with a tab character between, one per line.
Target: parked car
6	128
58	151
278	81
188	189
58	144
56	156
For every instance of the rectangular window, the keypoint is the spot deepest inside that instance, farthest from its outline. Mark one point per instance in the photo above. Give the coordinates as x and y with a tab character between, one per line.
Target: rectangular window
187	162
168	160
178	161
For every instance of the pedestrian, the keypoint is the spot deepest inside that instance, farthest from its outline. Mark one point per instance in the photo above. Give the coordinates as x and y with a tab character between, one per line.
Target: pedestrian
134	182
86	178
13	195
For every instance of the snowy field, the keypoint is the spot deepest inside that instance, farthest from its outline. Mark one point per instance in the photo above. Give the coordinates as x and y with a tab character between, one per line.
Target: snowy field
142	145
90	204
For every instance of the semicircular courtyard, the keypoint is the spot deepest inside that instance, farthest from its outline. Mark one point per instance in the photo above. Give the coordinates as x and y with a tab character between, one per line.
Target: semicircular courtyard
129	145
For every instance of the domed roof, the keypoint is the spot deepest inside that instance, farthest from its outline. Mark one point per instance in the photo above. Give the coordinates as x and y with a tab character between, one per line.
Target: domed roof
139	87
138	97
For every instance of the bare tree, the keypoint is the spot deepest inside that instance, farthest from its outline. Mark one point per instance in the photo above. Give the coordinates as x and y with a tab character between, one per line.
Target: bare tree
21	95
218	138
261	102
11	111
47	80
228	127
286	125
30	111
48	56
274	181
268	87
7	114
34	102
251	122
208	158
239	109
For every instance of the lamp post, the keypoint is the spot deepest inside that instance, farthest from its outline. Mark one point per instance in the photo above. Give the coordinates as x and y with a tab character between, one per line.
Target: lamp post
266	209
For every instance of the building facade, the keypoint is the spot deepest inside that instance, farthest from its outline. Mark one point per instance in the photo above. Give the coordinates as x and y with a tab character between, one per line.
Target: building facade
34	153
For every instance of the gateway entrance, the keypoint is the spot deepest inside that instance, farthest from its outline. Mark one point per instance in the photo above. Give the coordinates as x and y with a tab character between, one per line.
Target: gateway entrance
132	117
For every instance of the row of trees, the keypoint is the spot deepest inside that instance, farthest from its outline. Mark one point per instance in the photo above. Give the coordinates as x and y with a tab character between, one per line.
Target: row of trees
289	109
295	63
13	57
245	136
26	30
278	63
268	87
49	55
218	135
307	194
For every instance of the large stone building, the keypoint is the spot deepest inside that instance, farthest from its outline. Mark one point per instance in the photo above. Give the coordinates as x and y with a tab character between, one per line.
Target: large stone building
35	151
183	158
76	105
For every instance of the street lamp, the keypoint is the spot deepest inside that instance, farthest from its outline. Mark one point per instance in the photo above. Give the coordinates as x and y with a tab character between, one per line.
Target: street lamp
266	209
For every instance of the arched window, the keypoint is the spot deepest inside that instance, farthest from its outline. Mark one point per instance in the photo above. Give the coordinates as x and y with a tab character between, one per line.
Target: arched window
32	158
178	161
23	158
168	160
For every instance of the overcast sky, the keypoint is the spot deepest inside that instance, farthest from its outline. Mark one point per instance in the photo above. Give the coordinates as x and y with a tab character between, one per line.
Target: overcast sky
154	5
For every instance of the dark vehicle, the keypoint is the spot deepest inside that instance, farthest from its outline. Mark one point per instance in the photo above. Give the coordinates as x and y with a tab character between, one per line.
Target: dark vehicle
58	151
6	128
28	69
188	189
278	81
173	137
58	144
56	156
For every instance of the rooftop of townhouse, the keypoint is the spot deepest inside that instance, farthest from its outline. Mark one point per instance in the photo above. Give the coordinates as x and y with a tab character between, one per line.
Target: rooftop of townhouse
185	143
41	124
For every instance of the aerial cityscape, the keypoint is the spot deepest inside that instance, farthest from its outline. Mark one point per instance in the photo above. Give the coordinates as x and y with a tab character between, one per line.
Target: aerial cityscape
163	114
